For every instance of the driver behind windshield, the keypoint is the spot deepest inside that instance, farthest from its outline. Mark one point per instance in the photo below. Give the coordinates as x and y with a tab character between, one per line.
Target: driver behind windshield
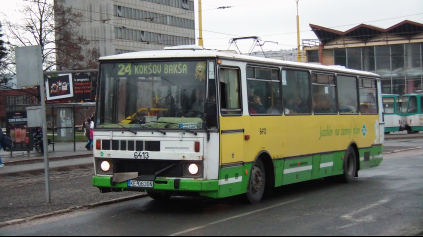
197	105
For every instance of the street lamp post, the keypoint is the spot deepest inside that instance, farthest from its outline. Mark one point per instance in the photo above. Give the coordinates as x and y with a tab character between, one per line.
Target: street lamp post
298	34
200	25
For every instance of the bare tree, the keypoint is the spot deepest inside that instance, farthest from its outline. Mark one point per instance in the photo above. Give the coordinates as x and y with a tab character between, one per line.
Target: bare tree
4	75
53	27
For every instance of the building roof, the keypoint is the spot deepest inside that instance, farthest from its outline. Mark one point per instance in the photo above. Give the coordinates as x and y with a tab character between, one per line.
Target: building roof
365	32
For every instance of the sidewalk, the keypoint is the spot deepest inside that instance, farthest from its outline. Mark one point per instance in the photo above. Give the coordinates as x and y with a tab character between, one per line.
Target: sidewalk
63	155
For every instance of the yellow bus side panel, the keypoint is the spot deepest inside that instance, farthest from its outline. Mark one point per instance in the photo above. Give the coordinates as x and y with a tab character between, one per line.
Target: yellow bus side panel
290	136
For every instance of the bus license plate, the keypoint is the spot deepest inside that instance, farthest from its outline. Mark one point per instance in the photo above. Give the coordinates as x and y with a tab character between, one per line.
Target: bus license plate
140	184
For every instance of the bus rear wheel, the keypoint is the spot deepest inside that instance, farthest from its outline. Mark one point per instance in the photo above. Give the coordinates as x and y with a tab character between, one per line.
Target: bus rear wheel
159	196
350	166
257	183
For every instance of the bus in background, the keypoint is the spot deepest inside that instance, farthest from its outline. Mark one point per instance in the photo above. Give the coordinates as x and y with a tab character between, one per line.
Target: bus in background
229	124
411	108
392	113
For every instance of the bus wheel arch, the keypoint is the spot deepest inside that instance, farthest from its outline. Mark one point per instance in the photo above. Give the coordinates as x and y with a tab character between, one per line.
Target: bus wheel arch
266	158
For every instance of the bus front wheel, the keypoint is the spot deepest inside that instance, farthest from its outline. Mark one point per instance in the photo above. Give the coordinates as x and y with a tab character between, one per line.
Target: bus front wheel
257	182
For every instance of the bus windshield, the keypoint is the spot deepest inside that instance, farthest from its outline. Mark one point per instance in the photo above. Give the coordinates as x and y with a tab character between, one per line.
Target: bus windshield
152	95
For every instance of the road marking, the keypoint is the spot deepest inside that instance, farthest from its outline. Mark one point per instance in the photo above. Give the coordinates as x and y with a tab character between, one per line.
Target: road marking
234	217
367	218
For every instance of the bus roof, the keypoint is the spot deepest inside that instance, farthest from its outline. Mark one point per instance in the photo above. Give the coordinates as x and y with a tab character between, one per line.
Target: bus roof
192	51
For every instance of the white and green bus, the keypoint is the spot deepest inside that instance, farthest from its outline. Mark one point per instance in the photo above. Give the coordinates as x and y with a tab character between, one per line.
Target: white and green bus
190	121
392	113
412	112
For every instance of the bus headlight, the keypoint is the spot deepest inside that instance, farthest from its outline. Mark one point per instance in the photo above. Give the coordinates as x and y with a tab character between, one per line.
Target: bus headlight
193	169
105	166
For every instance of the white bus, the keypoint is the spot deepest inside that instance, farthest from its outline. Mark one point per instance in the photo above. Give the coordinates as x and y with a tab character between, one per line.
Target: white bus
190	121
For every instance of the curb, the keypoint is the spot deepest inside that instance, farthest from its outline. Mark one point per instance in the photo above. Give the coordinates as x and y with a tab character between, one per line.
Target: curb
41	159
41	170
407	149
71	209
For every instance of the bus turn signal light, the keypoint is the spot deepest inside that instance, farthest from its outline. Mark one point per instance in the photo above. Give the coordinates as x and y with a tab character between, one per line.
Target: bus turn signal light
197	146
247	137
98	144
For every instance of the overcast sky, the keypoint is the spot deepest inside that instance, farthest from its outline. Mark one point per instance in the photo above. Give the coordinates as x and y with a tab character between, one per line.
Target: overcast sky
275	20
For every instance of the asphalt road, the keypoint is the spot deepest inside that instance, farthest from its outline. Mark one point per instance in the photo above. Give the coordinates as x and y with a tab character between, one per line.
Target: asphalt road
386	200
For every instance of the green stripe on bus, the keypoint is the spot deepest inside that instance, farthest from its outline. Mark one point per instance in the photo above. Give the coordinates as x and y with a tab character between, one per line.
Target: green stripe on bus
392	129
162	184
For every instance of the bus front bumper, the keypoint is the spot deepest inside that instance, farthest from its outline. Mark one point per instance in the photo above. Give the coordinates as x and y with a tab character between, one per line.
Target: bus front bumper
159	185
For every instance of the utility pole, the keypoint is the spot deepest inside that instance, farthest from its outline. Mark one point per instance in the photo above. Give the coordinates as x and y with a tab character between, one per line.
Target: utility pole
298	35
200	25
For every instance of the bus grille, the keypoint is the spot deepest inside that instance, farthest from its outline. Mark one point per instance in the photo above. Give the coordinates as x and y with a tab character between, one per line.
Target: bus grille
129	145
149	167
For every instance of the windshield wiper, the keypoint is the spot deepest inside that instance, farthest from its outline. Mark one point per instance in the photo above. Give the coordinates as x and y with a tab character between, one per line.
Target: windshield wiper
190	131
128	129
163	132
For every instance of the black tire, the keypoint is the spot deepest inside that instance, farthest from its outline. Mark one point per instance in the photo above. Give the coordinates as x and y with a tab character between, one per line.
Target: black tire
409	131
162	196
350	166
257	183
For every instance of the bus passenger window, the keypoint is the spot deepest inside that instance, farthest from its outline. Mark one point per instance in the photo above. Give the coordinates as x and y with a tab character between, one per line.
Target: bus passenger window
296	92
263	85
347	94
368	101
324	96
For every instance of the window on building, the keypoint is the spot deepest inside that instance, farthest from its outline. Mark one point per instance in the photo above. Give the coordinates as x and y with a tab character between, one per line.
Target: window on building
340	57
386	86
313	56
398	86
383	59
369	59
354	58
296	92
347	94
119	11
185	4
324	96
397	57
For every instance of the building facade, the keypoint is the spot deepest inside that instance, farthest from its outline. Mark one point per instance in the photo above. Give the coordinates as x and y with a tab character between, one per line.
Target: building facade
120	26
394	53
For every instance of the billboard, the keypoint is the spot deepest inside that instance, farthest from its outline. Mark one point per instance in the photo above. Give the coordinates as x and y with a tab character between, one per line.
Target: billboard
72	87
18	131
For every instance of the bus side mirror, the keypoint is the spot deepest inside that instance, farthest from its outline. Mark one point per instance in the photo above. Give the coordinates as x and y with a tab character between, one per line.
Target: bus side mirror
211	114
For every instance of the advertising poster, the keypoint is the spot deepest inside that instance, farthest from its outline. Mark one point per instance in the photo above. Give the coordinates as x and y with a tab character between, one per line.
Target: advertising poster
18	131
85	84
59	86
